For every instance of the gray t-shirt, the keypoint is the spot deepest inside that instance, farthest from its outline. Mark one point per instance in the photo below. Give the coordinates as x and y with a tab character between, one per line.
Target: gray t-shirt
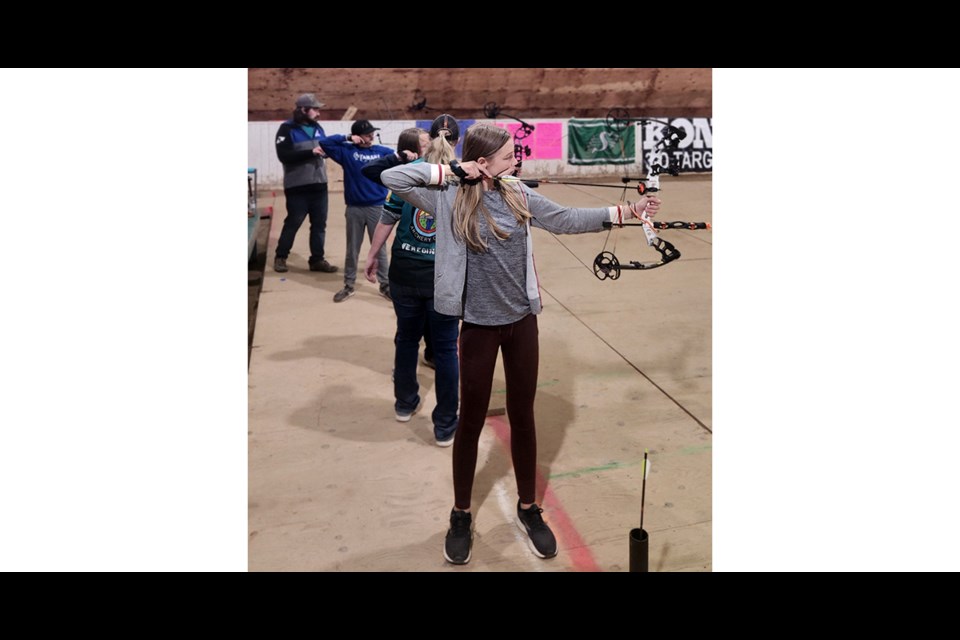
496	279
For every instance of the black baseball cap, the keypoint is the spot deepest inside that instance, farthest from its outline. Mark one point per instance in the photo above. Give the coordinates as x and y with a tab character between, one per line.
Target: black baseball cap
362	128
446	122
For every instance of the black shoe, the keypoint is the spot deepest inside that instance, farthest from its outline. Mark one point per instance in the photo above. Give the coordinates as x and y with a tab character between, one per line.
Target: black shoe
280	265
539	536
428	362
459	543
324	266
385	291
343	294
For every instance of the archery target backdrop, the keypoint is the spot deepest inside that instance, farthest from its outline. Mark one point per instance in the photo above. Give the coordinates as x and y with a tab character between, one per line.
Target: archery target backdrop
694	154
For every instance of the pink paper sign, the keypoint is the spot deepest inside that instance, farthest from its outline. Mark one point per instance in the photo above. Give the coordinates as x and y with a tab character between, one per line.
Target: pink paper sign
546	141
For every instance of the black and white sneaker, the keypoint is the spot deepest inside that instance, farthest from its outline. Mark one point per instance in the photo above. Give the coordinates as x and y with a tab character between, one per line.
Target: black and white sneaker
458	546
404	416
539	536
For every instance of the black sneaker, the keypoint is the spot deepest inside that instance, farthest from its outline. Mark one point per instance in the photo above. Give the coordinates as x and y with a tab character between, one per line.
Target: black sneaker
428	362
459	543
324	266
539	536
385	291
343	294
280	265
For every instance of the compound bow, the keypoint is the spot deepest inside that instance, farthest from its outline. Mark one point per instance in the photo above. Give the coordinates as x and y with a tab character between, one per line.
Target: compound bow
606	264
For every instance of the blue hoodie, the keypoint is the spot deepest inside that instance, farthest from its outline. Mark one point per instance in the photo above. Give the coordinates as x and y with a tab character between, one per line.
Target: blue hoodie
358	191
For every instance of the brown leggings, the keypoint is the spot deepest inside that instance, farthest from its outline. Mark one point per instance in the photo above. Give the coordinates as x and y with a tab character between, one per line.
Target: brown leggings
478	358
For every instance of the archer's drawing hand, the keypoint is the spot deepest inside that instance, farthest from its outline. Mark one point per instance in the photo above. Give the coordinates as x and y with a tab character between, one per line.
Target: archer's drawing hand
474	170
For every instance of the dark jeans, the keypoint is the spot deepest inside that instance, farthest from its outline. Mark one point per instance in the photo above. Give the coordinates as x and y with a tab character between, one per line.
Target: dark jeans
414	309
300	203
479	345
427	343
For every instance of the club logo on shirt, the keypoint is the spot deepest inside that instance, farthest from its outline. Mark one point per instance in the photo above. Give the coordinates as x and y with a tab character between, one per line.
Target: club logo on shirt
365	157
424	227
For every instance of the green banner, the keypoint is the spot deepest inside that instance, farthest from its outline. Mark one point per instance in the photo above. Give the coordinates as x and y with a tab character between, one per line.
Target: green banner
591	141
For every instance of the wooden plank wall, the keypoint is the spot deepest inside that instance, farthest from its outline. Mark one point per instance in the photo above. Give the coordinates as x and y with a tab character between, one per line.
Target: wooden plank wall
389	93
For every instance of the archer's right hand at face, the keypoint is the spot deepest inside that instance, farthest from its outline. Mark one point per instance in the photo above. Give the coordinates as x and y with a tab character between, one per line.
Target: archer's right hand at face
474	170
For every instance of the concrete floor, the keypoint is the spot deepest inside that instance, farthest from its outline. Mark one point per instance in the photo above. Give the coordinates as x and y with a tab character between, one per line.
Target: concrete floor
336	484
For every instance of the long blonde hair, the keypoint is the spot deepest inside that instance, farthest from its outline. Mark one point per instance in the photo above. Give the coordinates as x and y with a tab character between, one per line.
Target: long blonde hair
440	150
444	134
482	141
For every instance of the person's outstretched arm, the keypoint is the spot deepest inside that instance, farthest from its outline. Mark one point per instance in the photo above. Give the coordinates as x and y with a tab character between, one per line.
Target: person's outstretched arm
374	168
557	218
335	146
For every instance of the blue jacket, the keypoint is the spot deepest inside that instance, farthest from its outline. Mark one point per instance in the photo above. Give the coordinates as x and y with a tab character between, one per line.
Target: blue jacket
358	190
301	167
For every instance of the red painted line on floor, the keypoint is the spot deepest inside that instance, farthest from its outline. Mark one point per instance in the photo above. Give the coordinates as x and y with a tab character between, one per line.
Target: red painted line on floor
568	539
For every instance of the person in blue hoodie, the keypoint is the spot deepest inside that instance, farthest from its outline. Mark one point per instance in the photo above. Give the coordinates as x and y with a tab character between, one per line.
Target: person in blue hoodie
363	196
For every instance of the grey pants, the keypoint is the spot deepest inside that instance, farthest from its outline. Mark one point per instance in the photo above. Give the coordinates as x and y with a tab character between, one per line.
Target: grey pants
358	219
